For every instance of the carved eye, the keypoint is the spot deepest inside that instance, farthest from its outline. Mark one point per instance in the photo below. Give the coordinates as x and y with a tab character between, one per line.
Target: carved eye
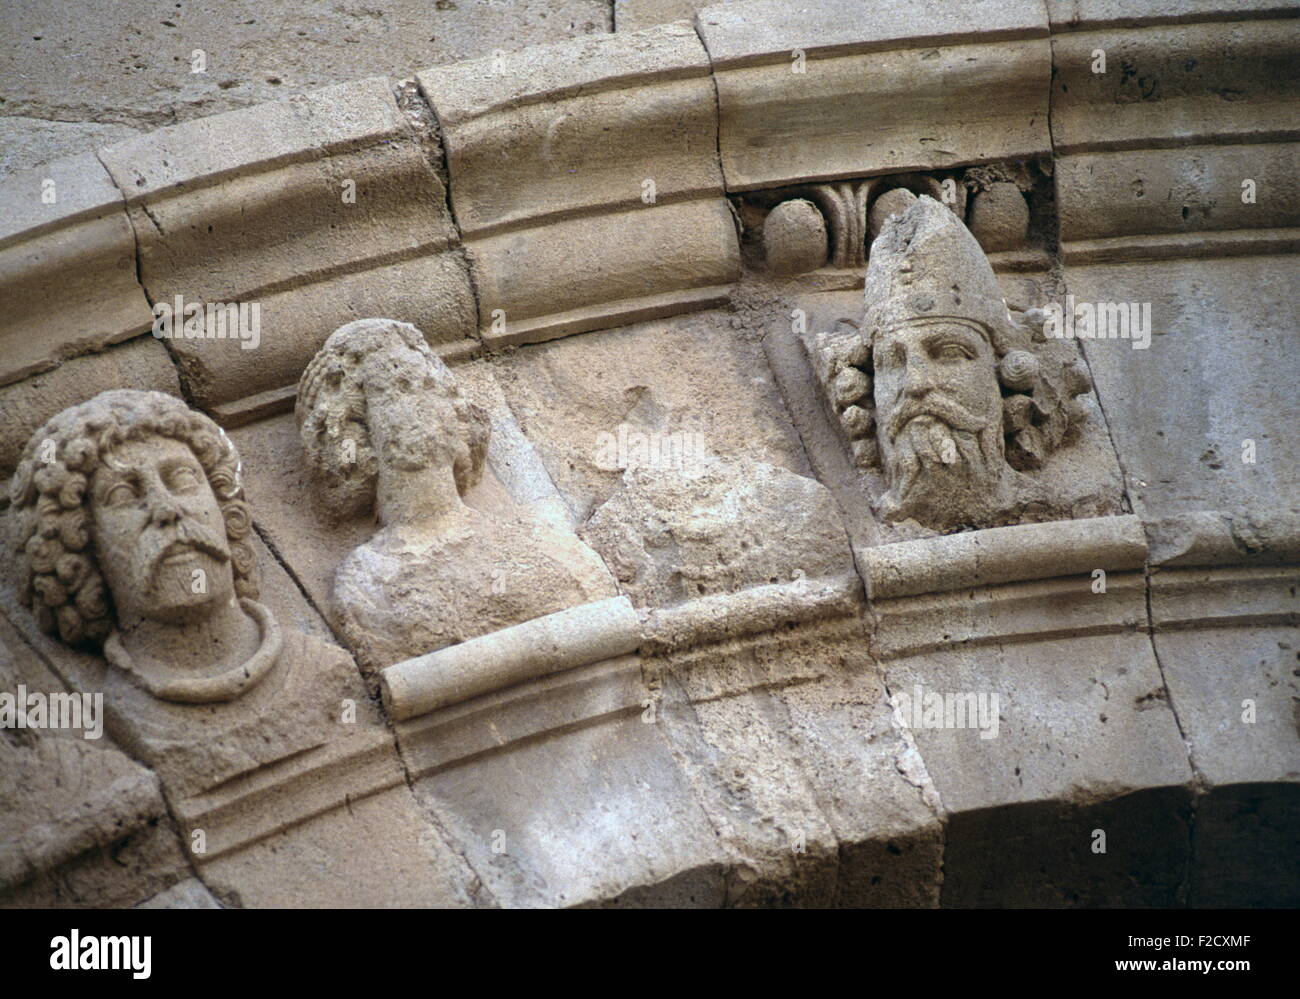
183	479
119	494
953	351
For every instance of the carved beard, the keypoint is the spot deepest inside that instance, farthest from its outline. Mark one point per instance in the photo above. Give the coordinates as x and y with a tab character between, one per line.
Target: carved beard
941	473
170	585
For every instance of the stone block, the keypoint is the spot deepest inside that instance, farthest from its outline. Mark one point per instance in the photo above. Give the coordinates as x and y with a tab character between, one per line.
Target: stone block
838	95
677	386
1170	84
67	266
621	816
1218	373
1049	721
612	269
1167	192
318	209
83	825
568	128
558	154
1229	648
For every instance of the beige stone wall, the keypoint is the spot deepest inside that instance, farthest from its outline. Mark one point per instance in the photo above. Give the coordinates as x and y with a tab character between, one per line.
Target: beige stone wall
578	230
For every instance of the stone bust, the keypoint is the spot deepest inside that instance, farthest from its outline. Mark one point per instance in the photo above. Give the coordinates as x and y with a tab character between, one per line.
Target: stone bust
962	400
131	530
384	427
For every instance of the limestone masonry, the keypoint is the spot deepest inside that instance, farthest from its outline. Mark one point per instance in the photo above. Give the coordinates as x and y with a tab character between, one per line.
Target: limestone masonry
840	454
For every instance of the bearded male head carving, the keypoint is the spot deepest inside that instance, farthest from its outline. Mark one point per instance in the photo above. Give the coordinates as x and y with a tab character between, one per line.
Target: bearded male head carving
960	400
130	529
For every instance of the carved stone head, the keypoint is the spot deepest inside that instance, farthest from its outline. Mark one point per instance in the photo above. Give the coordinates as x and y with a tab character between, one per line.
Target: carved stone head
129	508
959	399
376	402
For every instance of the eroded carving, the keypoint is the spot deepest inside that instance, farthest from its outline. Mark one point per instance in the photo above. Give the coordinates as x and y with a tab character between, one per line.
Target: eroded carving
942	389
131	533
383	425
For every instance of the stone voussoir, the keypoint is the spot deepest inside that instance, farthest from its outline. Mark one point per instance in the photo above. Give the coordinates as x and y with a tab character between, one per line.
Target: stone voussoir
1159	128
556	153
316	209
67	266
808	99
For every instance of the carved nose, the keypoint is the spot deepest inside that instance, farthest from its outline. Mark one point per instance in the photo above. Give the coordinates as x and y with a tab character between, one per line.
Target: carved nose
920	380
163	510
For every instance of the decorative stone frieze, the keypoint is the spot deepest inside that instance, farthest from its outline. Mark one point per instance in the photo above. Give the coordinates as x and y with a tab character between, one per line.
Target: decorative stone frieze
133	543
656	470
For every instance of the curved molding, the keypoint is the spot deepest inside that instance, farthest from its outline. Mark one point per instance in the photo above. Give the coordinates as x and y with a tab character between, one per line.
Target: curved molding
586	173
270	799
319	208
759	609
578	636
1212	538
67	267
542	217
1003	555
1152	152
811	99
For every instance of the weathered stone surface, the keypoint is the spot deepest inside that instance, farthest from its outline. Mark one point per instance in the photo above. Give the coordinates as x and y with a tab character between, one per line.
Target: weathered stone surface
615	108
1002	555
326	204
892	202
1080	737
553	643
24	406
794	237
682	260
384	426
83	824
710	610
1178	145
999	217
668	535
597	404
628	821
971	406
1182	410
802	771
152	565
601	135
783	728
1227	641
84	76
67	266
188	894
1172	83
634	15
1153	192
29	143
812	98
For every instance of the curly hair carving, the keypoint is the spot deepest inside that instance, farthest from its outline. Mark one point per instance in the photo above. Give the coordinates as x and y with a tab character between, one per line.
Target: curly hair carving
51	533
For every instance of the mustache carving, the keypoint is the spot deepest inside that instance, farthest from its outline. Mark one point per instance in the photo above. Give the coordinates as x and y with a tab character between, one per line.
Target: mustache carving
188	535
934	405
